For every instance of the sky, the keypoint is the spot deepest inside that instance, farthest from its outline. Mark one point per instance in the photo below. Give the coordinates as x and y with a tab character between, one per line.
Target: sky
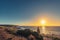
30	12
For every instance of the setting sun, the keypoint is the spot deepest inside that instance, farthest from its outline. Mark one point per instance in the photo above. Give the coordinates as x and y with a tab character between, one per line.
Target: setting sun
43	22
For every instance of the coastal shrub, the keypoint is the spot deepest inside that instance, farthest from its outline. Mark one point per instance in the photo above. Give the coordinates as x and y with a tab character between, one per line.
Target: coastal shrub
27	32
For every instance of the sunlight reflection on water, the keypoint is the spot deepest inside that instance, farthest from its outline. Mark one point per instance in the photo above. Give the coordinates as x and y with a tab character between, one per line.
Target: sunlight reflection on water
43	29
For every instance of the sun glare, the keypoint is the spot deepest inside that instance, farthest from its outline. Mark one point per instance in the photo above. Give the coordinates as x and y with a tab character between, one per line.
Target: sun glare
43	22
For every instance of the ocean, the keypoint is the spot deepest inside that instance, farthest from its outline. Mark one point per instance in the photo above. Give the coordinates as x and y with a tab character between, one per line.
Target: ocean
48	30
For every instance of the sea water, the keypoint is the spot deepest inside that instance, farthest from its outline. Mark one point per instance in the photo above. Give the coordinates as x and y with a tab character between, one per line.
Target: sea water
48	30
